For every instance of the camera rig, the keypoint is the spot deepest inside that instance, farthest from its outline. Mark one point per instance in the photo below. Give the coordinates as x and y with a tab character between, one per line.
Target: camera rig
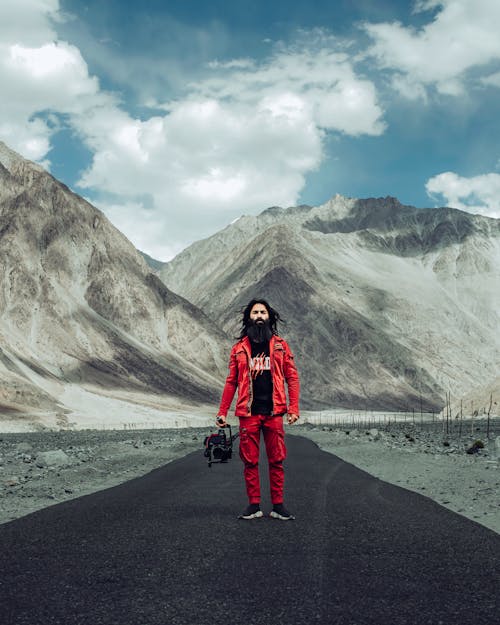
219	446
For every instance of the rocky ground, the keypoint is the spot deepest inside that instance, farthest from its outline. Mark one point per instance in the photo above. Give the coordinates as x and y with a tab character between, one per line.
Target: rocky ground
38	469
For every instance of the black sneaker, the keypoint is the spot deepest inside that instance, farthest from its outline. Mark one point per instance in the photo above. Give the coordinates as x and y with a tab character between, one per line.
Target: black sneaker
252	512
280	512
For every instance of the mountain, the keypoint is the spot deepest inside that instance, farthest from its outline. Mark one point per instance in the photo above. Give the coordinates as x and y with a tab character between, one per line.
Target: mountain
387	306
80	308
152	262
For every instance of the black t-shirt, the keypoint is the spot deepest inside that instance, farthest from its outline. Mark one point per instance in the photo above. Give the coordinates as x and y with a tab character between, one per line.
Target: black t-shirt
260	369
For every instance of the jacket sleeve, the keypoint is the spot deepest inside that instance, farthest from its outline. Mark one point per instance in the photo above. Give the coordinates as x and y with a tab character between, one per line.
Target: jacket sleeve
230	386
292	380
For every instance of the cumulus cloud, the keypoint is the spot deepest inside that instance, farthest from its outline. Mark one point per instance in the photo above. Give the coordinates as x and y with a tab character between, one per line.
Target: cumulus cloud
478	194
463	35
246	134
239	140
201	165
29	21
42	78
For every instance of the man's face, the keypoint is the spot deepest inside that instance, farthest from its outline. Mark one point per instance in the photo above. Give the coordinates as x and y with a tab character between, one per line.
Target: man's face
259	314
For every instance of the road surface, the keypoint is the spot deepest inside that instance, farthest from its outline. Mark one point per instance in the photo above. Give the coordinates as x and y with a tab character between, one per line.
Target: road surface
166	549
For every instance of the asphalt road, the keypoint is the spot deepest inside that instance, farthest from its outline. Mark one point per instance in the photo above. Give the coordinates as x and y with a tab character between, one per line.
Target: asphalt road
166	549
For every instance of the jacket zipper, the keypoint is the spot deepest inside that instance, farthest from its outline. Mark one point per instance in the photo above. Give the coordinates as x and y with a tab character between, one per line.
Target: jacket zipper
271	354
250	386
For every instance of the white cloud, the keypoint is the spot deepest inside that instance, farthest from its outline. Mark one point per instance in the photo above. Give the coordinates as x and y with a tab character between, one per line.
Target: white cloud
29	21
201	165
238	141
492	80
235	63
140	225
478	194
319	81
463	35
40	75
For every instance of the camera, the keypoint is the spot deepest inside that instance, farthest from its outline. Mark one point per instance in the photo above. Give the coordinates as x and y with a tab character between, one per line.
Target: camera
219	446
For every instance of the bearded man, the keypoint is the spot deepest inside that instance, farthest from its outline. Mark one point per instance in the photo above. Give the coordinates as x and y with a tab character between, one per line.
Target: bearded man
260	363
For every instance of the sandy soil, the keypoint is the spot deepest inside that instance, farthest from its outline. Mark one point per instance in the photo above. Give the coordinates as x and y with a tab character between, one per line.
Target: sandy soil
38	469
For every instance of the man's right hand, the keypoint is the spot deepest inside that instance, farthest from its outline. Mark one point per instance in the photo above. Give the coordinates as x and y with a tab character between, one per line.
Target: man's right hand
220	421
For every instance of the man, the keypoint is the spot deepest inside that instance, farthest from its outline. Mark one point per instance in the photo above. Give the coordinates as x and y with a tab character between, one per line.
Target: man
260	364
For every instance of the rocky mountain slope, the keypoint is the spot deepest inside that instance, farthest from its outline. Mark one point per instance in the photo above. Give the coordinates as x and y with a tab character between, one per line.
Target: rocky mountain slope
387	306
79	307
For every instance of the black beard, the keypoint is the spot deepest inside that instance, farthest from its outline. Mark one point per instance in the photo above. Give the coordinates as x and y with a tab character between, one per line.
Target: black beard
259	332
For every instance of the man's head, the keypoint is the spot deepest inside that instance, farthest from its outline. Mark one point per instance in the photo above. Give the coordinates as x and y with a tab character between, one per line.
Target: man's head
259	321
259	313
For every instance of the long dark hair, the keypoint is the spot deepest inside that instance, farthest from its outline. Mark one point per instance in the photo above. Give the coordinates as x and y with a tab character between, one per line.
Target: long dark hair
274	316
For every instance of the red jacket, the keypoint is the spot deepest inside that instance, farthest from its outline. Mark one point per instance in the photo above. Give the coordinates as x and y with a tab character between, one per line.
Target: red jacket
282	369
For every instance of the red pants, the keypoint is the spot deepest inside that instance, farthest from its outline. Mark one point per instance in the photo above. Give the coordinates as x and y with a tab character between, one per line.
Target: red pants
274	438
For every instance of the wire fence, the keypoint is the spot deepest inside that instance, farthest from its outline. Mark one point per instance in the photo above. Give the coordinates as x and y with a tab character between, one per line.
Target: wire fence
472	425
431	422
182	422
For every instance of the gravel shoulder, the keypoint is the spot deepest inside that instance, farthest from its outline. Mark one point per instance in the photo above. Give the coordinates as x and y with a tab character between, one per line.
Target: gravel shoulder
38	469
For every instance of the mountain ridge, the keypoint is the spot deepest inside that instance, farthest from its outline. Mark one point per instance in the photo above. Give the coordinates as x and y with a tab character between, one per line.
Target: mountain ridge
79	305
380	269
387	306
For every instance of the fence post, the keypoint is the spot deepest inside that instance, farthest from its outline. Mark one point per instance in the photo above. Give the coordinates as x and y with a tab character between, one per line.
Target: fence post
488	418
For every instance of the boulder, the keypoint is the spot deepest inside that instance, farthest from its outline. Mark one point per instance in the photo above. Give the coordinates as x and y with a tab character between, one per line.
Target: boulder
54	458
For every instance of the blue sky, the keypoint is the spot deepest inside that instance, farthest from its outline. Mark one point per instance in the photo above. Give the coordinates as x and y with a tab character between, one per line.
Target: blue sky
175	118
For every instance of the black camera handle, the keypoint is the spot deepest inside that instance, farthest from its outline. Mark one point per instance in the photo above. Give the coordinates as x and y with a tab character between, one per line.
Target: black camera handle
232	437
